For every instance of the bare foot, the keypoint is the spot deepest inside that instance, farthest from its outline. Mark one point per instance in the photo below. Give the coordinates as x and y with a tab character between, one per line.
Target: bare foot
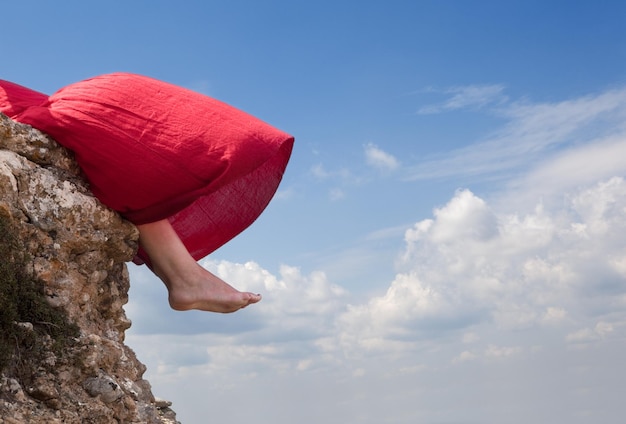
190	286
204	291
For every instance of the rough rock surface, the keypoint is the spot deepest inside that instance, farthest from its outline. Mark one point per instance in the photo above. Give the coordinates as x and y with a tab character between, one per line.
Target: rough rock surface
76	249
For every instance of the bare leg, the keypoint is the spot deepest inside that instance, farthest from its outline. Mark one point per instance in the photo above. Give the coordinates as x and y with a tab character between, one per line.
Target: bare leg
189	285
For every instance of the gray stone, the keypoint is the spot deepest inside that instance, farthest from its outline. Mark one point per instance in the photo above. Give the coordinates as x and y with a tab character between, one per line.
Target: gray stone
78	249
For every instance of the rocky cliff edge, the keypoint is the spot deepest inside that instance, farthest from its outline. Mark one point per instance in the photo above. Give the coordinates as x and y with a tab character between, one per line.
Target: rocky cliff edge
63	282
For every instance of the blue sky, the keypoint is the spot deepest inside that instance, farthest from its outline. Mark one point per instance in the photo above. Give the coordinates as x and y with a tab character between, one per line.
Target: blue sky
447	244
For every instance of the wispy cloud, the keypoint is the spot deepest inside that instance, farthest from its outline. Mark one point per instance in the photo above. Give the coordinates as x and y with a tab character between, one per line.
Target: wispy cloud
533	130
339	178
320	172
466	97
379	159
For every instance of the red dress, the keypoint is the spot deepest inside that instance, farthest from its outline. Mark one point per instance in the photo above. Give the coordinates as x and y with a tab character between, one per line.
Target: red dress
152	150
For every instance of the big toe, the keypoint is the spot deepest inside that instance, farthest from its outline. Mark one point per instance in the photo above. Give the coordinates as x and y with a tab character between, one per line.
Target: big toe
253	298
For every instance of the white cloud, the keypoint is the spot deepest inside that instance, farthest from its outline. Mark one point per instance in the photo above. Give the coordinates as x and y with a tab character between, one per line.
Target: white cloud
285	193
532	134
320	172
465	216
587	335
467	267
380	159
576	166
532	278
470	264
464	356
393	316
554	315
466	300
308	302
471	96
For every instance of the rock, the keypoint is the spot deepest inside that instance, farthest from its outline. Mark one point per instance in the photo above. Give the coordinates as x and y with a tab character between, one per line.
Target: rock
162	403
63	284
104	387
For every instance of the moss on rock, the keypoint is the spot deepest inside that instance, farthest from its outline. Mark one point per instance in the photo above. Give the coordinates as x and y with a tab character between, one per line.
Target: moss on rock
27	320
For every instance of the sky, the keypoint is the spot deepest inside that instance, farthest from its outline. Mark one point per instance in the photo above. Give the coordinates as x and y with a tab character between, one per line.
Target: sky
447	245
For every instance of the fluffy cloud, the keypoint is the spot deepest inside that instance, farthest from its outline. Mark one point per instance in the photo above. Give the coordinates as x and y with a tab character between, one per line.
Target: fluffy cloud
471	265
464	272
304	299
479	292
285	331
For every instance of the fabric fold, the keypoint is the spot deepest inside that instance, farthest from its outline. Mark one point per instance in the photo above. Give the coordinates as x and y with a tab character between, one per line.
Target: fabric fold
152	150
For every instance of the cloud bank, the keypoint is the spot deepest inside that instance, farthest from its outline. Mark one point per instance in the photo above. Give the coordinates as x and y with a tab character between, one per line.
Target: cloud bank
519	294
476	287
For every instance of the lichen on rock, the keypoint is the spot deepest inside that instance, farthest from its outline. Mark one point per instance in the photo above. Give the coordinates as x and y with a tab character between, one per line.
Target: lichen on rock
63	284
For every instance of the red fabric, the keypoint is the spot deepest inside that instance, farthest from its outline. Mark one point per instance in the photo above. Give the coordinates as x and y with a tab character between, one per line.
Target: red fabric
14	99
152	150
